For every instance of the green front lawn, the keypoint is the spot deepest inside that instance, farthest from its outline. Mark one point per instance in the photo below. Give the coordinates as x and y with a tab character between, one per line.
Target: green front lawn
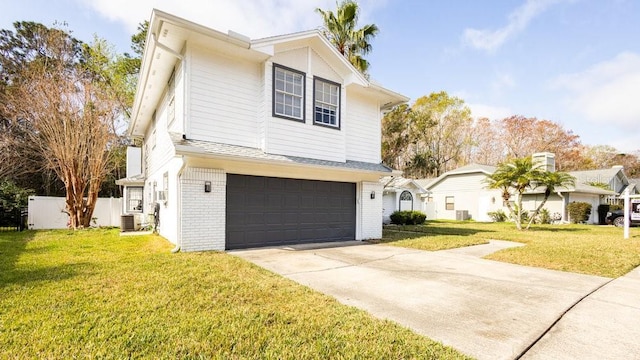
94	294
587	249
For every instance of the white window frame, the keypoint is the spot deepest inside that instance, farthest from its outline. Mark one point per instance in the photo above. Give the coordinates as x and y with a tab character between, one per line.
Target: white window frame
139	191
326	98
447	202
291	89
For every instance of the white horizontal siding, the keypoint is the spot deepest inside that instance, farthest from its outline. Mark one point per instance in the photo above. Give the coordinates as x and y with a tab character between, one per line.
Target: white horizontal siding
295	138
224	99
362	127
287	137
156	156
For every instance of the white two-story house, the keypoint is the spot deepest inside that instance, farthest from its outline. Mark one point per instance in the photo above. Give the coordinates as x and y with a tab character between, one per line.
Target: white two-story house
252	143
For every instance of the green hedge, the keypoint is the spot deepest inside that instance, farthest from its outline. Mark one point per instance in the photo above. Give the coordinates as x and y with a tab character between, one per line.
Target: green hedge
408	217
579	212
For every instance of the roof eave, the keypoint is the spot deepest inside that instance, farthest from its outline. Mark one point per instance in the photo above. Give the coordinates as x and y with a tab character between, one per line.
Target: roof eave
196	152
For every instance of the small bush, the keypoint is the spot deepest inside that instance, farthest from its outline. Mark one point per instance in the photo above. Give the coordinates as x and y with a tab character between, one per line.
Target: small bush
615	207
544	217
408	217
579	212
497	216
524	215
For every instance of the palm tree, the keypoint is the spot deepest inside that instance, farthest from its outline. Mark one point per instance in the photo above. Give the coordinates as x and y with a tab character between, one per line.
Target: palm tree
551	181
340	29
517	175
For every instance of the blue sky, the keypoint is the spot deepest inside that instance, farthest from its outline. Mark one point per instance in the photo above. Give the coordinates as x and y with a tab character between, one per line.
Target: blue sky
575	62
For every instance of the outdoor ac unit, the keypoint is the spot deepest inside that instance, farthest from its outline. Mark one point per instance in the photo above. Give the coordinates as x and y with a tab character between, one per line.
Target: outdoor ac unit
161	195
462	215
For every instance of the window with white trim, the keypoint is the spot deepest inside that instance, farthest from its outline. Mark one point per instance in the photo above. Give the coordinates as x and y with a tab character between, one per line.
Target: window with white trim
288	93
326	103
134	199
449	203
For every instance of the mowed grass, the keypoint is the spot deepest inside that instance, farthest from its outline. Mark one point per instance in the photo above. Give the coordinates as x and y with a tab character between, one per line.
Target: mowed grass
93	294
587	249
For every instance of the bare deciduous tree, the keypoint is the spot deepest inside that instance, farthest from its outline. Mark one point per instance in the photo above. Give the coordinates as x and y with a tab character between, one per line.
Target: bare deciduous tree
67	119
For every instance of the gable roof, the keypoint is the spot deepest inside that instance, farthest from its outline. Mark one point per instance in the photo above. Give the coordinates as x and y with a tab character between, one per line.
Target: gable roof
166	41
599	175
399	183
467	169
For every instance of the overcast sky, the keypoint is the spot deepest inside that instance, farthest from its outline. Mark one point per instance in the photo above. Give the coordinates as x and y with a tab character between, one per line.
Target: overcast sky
575	62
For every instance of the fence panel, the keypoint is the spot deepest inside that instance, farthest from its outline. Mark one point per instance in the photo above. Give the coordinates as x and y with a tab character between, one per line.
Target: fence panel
46	212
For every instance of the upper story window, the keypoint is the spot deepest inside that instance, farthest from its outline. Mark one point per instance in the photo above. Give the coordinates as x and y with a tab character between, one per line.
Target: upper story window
326	107
288	93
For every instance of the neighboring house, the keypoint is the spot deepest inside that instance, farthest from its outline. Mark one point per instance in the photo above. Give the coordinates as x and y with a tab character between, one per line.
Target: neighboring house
613	177
256	142
400	194
463	194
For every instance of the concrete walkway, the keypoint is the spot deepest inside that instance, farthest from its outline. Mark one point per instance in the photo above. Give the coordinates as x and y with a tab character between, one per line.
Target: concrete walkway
486	309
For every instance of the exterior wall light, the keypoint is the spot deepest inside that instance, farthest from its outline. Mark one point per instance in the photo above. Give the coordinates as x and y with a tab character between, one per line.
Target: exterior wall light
207	186
373	195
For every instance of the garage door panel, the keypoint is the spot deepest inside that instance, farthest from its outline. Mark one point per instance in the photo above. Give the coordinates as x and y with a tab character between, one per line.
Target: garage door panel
263	211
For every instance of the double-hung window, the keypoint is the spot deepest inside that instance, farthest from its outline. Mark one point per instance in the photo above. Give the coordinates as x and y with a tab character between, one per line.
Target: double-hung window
288	93
134	199
326	107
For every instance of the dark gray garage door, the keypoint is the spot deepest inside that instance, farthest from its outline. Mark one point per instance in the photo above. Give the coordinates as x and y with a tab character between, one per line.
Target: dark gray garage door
264	211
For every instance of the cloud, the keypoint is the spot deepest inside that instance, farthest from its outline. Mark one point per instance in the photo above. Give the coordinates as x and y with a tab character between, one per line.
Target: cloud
606	93
519	19
489	111
502	82
253	18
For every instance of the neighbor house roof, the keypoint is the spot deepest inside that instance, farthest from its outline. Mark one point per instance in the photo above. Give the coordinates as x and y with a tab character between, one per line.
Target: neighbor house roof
399	183
424	182
600	175
467	169
578	188
210	149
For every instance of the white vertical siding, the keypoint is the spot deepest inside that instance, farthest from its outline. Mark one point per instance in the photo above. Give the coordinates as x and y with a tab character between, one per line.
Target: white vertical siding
224	98
362	125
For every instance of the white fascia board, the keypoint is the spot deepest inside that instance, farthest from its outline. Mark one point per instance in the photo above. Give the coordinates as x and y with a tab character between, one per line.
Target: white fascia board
190	151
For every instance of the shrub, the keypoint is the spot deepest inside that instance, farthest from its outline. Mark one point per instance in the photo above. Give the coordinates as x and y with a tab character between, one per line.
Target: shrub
579	212
497	216
615	207
544	217
408	217
524	215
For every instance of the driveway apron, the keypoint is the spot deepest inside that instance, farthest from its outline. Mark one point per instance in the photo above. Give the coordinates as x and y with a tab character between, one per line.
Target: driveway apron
484	308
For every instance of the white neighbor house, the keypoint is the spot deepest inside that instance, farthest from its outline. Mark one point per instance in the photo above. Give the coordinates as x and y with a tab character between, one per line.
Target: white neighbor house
400	194
257	142
463	194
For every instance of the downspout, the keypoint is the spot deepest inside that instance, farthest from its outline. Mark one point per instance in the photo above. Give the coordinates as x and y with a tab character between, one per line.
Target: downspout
564	211
179	204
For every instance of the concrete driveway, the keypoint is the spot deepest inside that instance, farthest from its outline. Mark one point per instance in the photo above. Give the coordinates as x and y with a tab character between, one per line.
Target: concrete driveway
486	309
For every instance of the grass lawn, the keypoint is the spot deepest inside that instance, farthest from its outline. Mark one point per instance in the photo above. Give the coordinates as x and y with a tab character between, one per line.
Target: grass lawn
587	249
94	294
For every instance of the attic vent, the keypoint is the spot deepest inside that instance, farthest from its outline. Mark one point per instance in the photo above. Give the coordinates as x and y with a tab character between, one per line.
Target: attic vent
165	32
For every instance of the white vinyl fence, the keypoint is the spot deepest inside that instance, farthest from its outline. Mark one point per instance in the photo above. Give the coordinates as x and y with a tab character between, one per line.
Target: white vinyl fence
47	212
